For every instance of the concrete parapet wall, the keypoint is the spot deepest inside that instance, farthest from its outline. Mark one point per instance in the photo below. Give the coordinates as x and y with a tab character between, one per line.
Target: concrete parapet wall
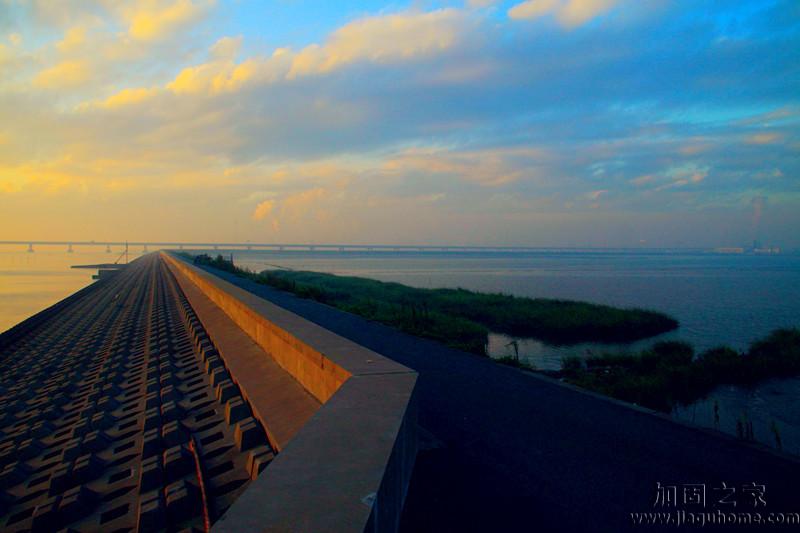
348	467
279	335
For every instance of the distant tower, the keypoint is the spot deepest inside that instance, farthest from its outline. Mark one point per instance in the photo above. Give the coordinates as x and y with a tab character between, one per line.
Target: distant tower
69	249
30	248
108	248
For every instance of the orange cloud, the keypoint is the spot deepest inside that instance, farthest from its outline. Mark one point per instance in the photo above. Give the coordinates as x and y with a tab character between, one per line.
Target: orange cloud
263	209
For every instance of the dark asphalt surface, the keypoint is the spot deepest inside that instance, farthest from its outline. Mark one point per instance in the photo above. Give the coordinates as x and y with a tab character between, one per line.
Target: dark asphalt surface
517	452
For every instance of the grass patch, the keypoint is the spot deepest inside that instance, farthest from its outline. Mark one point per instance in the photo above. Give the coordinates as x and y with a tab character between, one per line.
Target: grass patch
669	374
460	318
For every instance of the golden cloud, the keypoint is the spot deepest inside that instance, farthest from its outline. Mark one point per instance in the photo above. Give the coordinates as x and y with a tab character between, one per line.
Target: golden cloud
381	39
569	13
154	19
63	75
263	209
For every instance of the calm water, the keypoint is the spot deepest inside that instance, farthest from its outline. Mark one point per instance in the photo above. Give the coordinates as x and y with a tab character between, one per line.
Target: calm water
30	282
719	299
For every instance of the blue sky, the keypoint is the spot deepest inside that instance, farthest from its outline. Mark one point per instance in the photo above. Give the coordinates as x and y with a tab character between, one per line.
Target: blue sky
537	122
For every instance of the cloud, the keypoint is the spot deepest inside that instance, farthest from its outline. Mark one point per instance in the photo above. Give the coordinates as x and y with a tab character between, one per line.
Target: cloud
773	116
534	8
63	75
697	177
227	48
154	19
381	39
219	76
577	12
763	138
489	168
6	55
569	13
298	205
643	180
73	38
128	97
595	195
263	209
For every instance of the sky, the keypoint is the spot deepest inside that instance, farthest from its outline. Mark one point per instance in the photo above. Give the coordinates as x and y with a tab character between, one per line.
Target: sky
527	122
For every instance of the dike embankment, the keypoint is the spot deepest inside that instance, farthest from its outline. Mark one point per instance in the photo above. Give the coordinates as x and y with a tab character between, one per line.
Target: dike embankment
341	417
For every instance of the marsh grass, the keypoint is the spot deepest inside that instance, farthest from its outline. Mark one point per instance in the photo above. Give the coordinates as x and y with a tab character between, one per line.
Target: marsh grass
461	318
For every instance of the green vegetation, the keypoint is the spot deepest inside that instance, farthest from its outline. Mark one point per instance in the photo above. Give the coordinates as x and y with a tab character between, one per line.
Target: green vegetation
460	318
669	374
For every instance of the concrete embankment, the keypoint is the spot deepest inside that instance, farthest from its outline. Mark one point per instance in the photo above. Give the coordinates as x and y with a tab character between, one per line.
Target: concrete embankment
347	440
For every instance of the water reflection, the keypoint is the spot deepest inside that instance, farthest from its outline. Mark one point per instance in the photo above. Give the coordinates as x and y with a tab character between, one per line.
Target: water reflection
31	282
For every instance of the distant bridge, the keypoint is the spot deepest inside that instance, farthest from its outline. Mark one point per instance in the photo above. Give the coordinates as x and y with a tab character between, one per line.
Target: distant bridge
156	245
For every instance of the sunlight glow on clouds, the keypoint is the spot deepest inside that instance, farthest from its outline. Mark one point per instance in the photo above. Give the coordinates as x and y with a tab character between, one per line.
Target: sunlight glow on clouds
153	19
569	13
65	74
381	39
549	122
